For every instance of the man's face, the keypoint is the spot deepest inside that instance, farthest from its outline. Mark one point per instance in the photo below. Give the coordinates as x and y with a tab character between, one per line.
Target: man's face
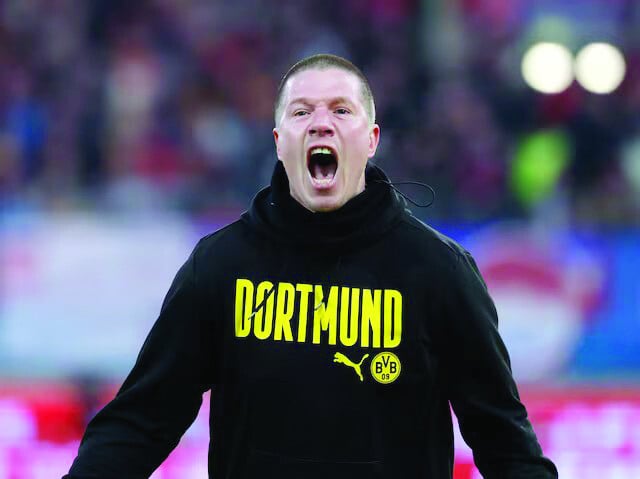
323	137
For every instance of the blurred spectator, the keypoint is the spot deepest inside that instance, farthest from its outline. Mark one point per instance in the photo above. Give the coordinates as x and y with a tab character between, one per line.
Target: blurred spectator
168	104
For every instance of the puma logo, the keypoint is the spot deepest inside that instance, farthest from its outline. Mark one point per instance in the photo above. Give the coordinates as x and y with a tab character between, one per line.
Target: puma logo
342	359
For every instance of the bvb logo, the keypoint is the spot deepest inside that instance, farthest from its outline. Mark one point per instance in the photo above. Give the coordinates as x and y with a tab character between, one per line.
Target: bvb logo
385	367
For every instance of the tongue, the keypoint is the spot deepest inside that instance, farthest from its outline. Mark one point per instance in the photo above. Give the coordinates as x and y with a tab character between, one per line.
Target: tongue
324	172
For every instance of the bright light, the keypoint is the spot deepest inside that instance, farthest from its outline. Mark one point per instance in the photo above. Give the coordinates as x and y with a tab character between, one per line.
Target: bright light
547	67
600	67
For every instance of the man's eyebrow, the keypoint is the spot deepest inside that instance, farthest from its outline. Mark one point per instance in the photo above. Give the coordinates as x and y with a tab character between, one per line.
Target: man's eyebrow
306	101
331	101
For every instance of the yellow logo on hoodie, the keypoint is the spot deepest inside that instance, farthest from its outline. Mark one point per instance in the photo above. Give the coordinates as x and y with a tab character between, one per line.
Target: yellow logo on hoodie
308	313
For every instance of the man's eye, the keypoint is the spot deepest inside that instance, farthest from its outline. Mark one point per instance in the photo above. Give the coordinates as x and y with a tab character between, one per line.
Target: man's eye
342	111
299	113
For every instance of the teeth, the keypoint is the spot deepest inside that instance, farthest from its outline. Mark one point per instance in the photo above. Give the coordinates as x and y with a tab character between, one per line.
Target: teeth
321	150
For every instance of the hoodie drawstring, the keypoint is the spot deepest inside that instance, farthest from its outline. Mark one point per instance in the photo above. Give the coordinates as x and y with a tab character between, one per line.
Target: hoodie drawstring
392	185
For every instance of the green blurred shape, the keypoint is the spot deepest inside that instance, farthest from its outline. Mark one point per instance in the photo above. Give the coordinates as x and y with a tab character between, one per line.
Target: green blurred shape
630	164
552	28
539	162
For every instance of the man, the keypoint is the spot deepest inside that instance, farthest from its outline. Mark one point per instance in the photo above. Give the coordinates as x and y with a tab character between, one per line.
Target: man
332	327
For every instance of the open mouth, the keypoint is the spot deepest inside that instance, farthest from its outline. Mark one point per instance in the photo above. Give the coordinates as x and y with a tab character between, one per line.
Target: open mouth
322	163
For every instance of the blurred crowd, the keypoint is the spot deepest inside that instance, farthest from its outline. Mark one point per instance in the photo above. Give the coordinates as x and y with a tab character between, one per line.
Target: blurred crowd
163	104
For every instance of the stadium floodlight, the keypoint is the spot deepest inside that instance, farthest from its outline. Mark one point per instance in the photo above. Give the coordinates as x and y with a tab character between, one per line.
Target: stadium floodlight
600	67
548	67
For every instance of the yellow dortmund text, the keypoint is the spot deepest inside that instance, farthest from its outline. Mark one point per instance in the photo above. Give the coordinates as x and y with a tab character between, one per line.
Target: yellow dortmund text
335	315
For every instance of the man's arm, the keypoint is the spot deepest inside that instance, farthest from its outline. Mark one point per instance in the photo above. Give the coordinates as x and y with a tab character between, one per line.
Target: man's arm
161	396
482	391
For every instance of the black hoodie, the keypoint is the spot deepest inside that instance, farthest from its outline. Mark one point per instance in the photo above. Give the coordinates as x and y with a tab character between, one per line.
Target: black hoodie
333	344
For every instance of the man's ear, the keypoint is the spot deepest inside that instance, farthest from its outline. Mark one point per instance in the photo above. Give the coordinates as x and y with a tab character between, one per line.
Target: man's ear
276	137
374	139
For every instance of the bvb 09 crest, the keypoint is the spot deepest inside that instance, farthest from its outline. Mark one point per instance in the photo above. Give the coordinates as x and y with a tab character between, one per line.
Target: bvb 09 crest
385	367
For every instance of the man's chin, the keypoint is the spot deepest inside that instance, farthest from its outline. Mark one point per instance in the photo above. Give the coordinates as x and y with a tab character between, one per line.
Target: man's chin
323	204
326	209
319	201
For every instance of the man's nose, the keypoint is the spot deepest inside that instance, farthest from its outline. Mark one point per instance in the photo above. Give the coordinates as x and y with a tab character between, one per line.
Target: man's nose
321	126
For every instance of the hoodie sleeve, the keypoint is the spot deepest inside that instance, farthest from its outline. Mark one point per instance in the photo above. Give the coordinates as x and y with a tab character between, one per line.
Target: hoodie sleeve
481	388
160	398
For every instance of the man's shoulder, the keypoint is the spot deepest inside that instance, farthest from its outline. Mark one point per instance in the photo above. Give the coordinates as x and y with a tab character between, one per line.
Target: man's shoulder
228	232
223	241
430	239
446	258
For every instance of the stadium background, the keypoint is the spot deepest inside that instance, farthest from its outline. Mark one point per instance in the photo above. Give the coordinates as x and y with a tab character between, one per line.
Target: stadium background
130	129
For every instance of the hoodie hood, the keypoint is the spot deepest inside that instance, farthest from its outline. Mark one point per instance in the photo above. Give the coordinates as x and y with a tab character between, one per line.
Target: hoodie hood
362	220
